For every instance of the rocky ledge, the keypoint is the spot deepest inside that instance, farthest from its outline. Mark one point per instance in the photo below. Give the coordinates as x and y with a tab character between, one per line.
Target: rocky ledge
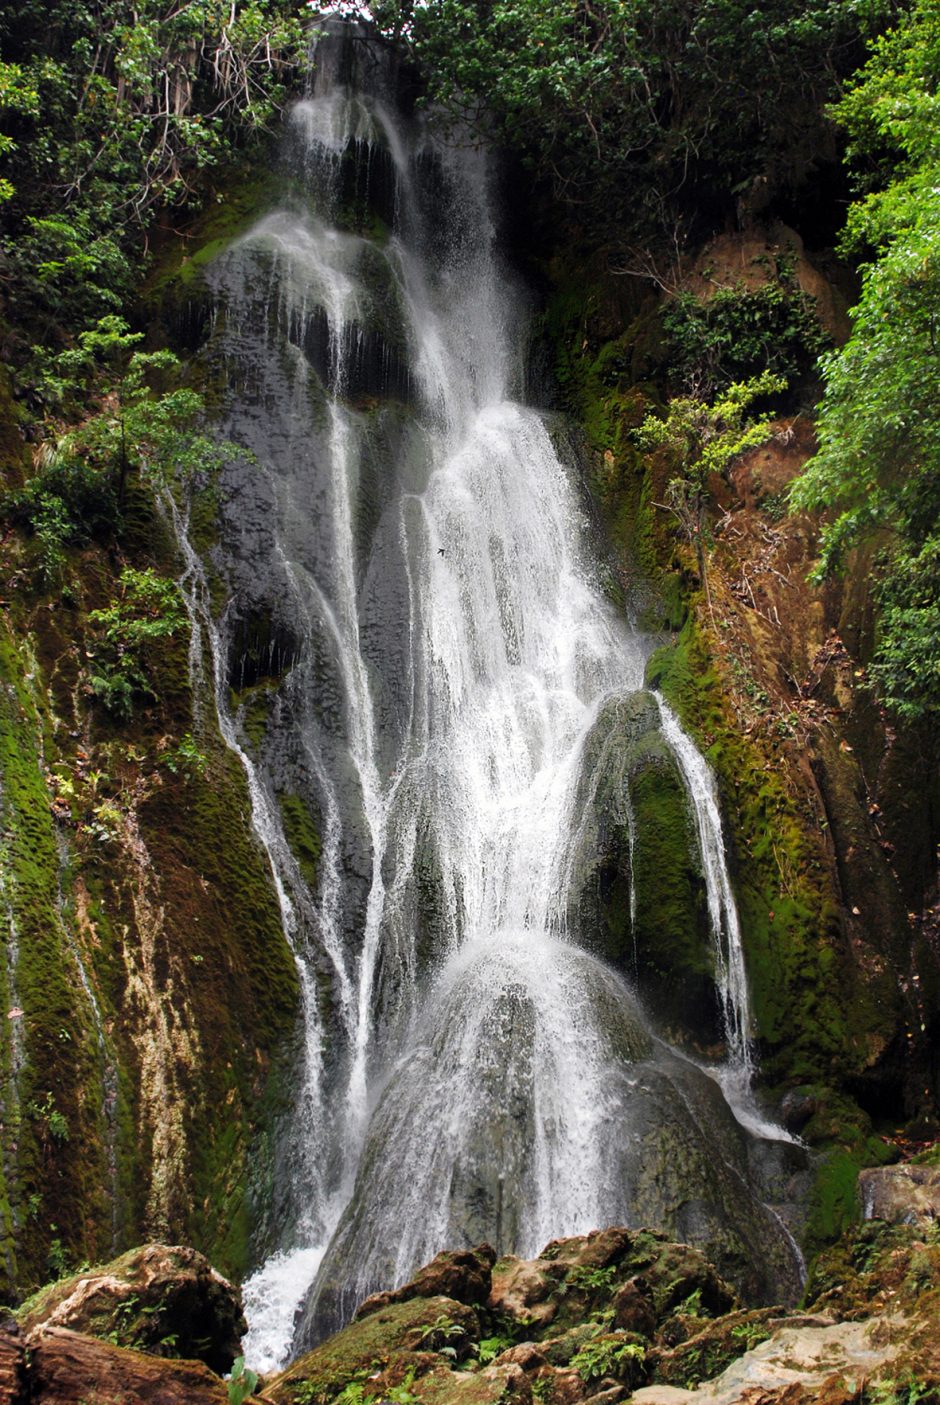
618	1315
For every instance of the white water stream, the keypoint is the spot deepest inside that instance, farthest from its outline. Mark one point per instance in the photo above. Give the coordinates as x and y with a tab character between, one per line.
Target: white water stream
446	651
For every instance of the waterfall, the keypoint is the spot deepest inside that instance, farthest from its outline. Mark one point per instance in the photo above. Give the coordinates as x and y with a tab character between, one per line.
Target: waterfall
731	977
415	656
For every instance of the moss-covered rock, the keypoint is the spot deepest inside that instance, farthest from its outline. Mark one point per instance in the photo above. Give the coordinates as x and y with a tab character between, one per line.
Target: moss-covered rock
639	888
712	1347
367	1346
674	962
462	1274
816	1011
54	1047
578	1280
162	1300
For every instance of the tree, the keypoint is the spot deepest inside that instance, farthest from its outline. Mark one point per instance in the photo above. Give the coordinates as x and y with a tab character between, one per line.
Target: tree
633	111
111	110
700	439
877	471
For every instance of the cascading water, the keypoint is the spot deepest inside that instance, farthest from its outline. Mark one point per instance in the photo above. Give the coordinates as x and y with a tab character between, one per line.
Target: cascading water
415	659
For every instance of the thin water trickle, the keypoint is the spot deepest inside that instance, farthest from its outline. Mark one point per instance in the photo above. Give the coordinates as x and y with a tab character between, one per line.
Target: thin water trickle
406	527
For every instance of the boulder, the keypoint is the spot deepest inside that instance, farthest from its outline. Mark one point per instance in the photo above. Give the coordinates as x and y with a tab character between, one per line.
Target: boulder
633	1307
712	1347
523	1289
166	1301
13	1378
903	1194
397	1336
526	1354
494	1385
67	1368
795	1364
464	1275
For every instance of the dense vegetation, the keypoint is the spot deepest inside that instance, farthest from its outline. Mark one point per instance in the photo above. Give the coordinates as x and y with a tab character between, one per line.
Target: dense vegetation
656	115
878	469
652	122
111	111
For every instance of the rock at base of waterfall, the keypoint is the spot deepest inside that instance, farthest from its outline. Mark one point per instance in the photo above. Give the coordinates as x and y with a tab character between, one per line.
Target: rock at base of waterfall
68	1368
639	1273
166	1301
627	1315
462	1274
900	1194
405	1336
693	1350
830	1364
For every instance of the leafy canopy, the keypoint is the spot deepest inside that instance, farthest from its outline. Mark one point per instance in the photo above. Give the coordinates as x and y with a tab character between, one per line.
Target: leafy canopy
632	107
877	471
109	110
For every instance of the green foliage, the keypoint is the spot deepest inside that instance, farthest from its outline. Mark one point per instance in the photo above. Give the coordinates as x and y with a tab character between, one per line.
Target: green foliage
692	1305
699	440
241	1383
355	1393
51	1120
186	758
738	333
77	492
610	1355
66	503
57	1258
17	94
110	110
352	1394
443	1336
149	608
626	109
591	1280
877	471
905	1389
490	1347
136	426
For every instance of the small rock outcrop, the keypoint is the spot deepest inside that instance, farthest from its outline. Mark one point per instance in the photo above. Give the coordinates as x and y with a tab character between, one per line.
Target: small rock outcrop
463	1274
905	1194
166	1301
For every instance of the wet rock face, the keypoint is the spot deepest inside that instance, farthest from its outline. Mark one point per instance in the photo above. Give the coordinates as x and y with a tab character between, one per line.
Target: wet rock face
160	1300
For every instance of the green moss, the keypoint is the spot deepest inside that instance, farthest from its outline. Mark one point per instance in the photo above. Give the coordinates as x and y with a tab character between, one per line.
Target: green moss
53	1135
813	1012
180	264
243	992
672	946
13	454
366	1345
834	1204
302	835
253	707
